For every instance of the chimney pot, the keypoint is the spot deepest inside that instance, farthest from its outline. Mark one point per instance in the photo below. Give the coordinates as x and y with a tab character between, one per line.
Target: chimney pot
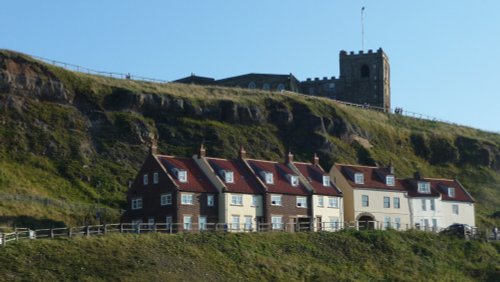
315	159
203	152
289	157
242	153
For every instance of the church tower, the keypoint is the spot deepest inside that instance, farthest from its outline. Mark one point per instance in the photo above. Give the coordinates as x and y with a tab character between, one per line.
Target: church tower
365	78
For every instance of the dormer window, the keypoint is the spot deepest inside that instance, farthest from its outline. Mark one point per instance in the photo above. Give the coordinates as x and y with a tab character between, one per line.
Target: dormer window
294	179
424	187
389	180
326	180
451	192
359	178
268	177
228	176
180	174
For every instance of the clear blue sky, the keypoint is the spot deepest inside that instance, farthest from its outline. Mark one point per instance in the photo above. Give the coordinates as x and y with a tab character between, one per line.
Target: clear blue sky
444	55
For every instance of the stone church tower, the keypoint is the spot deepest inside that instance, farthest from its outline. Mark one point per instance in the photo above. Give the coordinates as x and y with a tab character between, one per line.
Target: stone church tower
365	78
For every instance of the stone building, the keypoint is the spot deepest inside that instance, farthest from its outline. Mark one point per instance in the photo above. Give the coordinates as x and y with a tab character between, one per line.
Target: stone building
364	79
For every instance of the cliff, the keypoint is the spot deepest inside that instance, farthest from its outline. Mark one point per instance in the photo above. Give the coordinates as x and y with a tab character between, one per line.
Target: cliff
70	140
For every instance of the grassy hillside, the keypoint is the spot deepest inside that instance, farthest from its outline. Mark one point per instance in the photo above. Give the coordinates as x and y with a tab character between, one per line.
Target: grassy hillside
342	256
70	140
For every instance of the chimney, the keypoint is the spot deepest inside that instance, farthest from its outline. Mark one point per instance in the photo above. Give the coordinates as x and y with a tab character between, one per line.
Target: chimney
153	148
315	160
242	153
203	152
289	158
417	175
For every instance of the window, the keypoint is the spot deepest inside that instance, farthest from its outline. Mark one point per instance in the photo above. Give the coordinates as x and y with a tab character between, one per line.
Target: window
277	222
359	178
266	86
387	202
451	192
294	180
433	205
434	224
151	222
397	203
237	200
252	85
424	206
155	178
166	199
333	202
235	222
228	176
137	203
276	200
302	202
186	199
389	180
187	222
145	179
255	201
268	177
425	223
326	180
397	222
424	187
387	222
210	200
281	87
248	223
321	201
168	222
365	71
333	223
454	208
202	223
365	201
180	174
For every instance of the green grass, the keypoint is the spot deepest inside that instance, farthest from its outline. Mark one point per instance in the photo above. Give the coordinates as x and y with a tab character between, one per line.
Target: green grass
342	256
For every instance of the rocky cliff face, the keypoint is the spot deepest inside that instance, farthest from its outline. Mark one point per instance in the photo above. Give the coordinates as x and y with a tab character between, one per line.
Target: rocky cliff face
75	120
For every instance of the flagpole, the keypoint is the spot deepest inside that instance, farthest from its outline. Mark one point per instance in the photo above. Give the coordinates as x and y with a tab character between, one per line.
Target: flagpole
362	29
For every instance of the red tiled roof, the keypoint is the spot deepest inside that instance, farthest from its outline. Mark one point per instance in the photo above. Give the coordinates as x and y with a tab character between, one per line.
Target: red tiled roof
196	179
373	177
314	174
281	183
244	181
439	186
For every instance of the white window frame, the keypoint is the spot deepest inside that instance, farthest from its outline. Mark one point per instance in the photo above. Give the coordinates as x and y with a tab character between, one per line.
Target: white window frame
268	177
423	204
187	224
155	178
359	178
433	204
397	222
396	202
248	222
145	179
182	176
387	222
424	187
276	200
294	180
451	192
333	202
202	222
387	202
166	199
363	197
333	223
235	222
151	222
326	180
255	201
136	203
236	200
276	222
187	199
321	201
455	209
228	176
210	200
390	180
168	221
301	202
434	224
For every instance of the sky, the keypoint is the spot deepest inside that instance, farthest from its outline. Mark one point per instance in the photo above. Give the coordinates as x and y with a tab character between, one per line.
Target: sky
444	55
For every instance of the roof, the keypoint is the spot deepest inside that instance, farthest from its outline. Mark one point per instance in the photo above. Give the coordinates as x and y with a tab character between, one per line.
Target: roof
374	177
439	187
281	183
314	174
196	179
244	181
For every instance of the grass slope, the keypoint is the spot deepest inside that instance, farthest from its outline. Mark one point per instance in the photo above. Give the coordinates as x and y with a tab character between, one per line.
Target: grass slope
342	256
60	156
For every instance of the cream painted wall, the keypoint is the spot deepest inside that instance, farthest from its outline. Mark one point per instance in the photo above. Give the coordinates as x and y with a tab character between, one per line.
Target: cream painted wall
244	210
418	213
466	213
326	212
347	191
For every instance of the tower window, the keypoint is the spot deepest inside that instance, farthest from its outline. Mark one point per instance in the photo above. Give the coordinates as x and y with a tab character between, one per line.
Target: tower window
365	71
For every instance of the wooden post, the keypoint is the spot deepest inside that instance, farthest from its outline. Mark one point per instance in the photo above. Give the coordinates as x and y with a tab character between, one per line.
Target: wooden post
154	228
51	233
17	235
104	229
87	230
121	227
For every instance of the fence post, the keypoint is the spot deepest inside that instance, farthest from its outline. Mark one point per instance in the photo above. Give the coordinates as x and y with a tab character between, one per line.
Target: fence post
87	230
121	227
104	229
51	233
154	228
17	235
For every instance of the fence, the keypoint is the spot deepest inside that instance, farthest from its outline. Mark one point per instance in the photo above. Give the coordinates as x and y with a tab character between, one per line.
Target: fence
173	228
